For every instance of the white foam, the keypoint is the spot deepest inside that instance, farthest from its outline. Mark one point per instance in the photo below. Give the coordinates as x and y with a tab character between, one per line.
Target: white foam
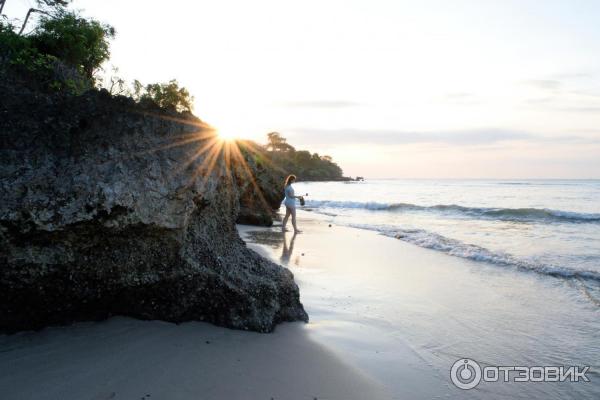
453	247
507	214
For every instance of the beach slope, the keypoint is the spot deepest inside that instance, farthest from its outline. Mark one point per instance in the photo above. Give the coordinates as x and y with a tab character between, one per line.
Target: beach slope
123	358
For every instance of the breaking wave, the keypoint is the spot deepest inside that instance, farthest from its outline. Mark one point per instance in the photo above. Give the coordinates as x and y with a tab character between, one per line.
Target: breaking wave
453	247
504	214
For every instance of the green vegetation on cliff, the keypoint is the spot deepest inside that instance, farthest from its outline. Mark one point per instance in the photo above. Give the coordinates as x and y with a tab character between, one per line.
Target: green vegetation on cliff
62	53
284	159
65	53
165	95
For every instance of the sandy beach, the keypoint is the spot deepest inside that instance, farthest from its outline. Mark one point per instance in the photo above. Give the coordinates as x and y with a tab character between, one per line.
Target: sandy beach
123	358
404	314
388	319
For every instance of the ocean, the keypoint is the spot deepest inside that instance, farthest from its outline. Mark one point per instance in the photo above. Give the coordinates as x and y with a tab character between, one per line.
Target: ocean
503	272
549	227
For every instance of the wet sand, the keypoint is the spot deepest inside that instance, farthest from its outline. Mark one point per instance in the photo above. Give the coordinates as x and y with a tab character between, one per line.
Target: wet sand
343	274
404	315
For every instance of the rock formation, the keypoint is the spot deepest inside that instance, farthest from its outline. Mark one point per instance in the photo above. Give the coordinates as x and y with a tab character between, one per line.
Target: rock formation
262	197
108	207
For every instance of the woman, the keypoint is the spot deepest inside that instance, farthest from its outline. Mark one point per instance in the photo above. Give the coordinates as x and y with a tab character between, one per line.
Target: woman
290	203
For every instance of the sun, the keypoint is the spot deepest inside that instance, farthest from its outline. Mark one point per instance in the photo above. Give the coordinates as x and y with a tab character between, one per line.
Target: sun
227	135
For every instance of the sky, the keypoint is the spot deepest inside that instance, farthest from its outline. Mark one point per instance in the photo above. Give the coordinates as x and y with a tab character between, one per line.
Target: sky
390	89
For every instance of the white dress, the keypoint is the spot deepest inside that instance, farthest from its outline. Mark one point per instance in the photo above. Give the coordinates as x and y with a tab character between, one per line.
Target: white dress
290	200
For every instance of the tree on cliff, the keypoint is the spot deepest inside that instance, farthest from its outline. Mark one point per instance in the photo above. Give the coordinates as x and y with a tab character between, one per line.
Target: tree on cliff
65	52
62	53
276	142
77	41
285	158
165	95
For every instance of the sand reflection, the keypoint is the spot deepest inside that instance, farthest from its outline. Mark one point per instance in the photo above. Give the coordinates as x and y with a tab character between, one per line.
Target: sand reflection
278	241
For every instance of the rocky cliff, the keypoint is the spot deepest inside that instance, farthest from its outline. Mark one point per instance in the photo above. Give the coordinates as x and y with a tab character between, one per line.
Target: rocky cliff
109	208
261	198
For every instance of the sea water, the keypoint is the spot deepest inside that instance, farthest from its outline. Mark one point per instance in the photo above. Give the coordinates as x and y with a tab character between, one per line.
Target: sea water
511	276
544	226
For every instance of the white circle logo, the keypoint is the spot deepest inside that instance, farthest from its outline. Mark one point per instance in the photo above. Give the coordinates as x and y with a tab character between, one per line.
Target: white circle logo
465	373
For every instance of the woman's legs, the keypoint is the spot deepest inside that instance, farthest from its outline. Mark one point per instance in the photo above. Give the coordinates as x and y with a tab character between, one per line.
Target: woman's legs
294	220
285	219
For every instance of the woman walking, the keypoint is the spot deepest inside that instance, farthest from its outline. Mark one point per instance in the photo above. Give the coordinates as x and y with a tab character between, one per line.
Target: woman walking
290	203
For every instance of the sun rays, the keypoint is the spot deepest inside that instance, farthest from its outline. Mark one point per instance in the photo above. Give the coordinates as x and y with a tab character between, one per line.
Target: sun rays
227	135
215	153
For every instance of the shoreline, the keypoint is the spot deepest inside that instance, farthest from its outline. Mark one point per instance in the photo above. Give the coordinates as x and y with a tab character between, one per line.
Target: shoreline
358	339
403	314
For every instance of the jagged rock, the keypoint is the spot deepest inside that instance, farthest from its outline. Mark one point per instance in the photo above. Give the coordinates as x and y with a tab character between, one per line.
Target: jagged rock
261	197
106	209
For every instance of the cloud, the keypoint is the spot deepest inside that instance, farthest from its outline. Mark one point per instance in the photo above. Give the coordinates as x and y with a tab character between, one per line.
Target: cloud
383	136
545	84
461	98
540	101
459	95
586	94
574	75
573	103
469	137
590	109
320	104
582	101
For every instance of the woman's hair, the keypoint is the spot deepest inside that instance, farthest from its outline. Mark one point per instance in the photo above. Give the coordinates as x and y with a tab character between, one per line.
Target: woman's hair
289	179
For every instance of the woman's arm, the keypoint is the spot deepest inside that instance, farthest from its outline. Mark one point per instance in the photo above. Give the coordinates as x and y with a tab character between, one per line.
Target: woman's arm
290	193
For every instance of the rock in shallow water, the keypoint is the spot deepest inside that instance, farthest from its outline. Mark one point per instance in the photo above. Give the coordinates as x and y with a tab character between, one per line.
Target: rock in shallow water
108	208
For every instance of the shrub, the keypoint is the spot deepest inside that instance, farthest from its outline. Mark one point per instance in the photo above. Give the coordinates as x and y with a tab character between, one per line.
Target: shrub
19	54
62	53
165	95
76	41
